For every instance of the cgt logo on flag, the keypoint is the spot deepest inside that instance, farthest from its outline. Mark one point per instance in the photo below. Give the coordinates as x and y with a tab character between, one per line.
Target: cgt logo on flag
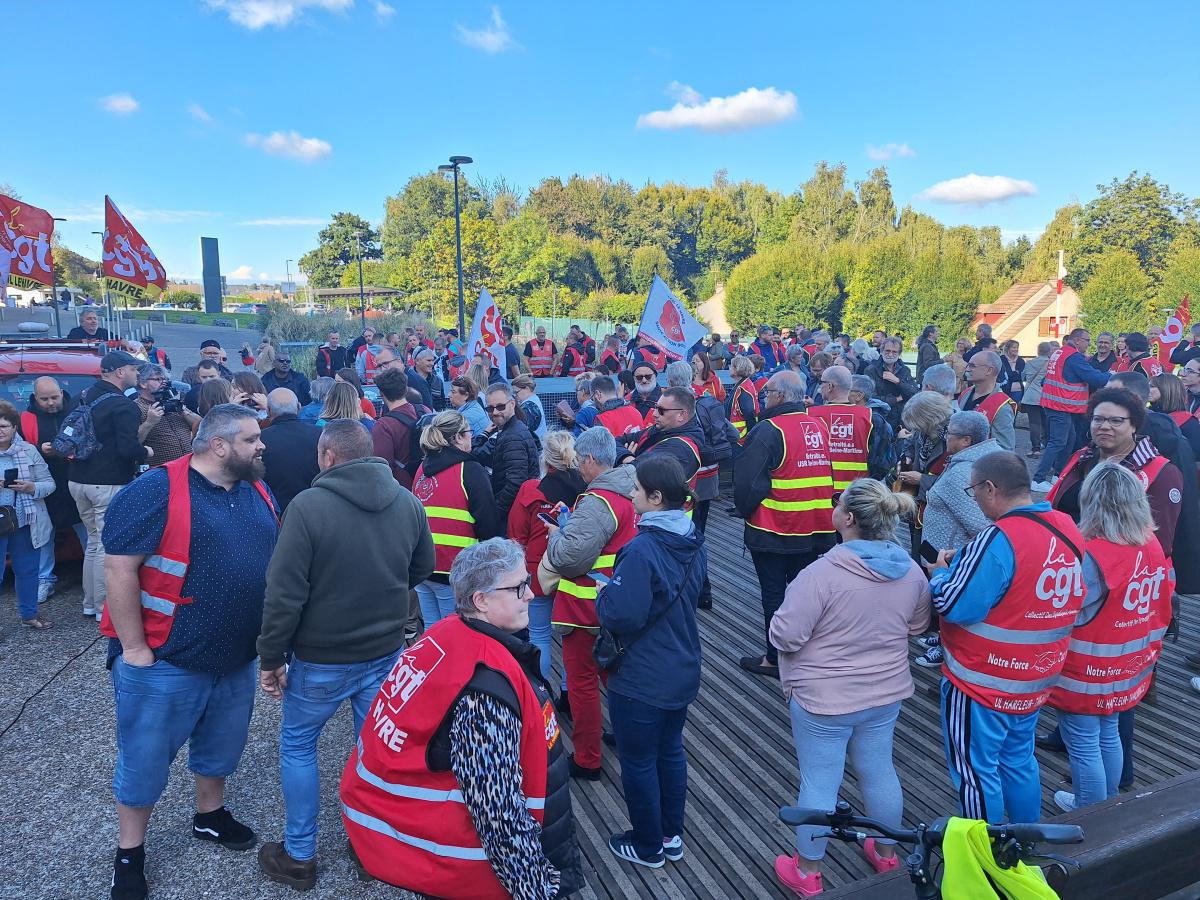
667	324
487	331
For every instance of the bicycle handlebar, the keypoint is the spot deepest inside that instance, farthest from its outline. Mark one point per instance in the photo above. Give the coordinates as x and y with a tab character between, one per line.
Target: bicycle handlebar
1023	832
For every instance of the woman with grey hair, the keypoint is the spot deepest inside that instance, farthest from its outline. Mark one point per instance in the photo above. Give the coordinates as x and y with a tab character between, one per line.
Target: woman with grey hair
319	390
1118	634
742	406
1031	400
922	451
488	806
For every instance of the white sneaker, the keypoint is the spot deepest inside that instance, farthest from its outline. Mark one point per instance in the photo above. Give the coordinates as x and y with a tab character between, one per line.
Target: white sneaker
45	590
1065	801
1195	684
89	610
1041	487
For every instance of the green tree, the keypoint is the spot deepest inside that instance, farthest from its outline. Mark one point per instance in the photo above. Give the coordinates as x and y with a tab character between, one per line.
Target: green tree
645	264
875	211
725	237
1117	296
431	266
878	292
339	244
426	201
790	283
1180	279
827	210
1042	262
945	292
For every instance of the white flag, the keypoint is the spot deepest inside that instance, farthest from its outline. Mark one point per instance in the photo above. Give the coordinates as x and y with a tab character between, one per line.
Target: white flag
487	336
667	323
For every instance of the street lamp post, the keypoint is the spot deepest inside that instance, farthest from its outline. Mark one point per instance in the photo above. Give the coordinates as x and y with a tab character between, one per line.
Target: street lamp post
362	302
455	162
54	294
107	296
287	265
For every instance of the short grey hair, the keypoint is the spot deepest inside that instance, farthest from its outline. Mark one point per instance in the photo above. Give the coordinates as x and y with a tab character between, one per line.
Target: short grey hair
970	424
321	387
864	385
795	352
822	334
983	330
741	367
893	341
282	401
840	377
222	422
422	352
790	384
940	379
146	371
479	568
988	358
499	387
598	443
679	374
927	413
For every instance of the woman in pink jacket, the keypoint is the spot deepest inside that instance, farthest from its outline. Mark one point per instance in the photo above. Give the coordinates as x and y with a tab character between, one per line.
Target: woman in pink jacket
842	636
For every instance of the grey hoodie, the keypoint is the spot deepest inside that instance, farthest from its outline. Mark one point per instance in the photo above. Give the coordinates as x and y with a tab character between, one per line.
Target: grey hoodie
573	550
349	549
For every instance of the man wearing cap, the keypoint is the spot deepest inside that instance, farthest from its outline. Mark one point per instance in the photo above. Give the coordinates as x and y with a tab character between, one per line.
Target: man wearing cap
209	349
282	376
94	481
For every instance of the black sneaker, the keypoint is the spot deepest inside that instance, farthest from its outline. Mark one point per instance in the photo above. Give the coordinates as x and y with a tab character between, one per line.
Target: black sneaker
622	846
609	739
220	827
562	705
584	772
129	877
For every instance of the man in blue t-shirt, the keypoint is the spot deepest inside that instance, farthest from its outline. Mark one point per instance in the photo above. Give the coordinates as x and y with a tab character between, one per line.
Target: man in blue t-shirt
198	686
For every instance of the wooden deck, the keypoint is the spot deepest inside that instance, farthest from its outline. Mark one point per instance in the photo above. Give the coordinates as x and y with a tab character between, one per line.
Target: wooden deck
742	765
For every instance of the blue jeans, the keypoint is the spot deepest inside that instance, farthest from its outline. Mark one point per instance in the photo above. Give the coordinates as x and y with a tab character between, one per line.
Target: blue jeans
46	569
653	769
160	708
436	599
1096	757
314	693
540	633
1062	437
821	746
25	561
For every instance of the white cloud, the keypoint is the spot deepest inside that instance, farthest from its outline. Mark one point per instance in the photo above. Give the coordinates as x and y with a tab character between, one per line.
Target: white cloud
263	276
95	213
291	144
384	11
119	104
281	222
491	38
977	190
889	151
199	113
240	272
257	14
752	108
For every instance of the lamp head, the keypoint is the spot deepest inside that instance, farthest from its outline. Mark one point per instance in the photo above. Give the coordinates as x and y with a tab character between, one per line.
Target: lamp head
461	160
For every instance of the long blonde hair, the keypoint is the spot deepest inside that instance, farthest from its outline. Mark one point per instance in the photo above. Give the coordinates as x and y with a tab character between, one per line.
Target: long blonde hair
558	451
342	403
1113	506
441	430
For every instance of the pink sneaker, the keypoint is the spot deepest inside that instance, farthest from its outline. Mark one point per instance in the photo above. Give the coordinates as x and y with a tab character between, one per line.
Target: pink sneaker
787	868
880	863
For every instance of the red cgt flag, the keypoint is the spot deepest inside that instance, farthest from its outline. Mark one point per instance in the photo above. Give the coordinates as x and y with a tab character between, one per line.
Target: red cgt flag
130	267
1172	334
26	260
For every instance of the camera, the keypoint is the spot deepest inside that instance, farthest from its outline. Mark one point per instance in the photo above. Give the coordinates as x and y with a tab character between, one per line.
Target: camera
169	398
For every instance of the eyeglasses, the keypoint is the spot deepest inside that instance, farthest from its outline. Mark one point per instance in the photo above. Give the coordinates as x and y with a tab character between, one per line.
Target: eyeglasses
517	589
503	406
1112	421
777	390
663	410
644	377
464	432
969	490
1186	371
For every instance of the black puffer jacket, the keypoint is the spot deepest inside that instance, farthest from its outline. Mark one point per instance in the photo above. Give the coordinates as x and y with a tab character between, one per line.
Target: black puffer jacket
60	504
116	421
512	455
658	440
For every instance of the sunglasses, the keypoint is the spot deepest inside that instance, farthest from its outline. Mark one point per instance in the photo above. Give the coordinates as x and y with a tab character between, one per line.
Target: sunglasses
500	408
663	410
644	377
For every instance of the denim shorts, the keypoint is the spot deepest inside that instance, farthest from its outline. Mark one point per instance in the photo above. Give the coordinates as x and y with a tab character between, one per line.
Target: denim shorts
162	707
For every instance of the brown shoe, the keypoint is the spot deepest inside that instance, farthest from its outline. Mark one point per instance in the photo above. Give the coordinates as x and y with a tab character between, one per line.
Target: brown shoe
277	865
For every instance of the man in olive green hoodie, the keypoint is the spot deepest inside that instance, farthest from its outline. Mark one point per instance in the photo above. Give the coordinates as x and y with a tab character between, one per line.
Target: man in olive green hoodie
337	600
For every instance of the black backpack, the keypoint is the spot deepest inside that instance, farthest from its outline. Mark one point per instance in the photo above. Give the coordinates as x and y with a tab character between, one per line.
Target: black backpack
719	433
416	427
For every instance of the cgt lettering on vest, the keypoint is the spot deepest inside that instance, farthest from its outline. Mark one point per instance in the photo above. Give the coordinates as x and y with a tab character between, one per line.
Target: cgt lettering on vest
1144	587
407	675
1060	580
841	427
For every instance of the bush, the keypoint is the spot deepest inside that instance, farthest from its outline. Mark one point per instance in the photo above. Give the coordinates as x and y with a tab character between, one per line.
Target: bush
284	325
783	286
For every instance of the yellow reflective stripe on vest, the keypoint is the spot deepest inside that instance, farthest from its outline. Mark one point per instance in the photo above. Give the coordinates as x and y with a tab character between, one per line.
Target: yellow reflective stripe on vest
449	512
796	505
581	591
608	559
796	483
841	468
453	540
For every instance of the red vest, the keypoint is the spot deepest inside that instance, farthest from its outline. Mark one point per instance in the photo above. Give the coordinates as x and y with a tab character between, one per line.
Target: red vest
849	440
575	600
161	576
1110	658
1180	417
159	357
1010	661
541	358
1057	392
369	365
801	498
1146	474
1147	365
444	497
989	405
408	824
29	428
735	349
578	363
620	421
607	355
735	411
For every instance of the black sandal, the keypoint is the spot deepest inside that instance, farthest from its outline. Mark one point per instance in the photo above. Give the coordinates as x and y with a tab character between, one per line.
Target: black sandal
755	666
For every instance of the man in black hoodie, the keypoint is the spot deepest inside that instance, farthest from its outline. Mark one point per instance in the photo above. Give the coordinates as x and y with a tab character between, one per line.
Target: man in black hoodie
508	448
96	480
343	633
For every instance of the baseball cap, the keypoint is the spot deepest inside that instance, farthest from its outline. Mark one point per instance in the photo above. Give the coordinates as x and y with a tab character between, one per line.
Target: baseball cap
116	359
210	343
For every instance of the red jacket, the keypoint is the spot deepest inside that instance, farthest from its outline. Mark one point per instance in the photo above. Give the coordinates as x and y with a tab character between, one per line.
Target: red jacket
526	528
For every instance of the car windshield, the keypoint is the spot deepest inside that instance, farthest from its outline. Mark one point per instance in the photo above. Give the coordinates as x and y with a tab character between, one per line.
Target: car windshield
17	389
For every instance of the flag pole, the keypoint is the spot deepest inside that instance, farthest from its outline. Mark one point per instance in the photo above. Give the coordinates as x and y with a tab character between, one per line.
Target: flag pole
1058	299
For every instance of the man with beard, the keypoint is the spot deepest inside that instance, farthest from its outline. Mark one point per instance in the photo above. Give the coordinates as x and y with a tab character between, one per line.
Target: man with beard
645	391
188	548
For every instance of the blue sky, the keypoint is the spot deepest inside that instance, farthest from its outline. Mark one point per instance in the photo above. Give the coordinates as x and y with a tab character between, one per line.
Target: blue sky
254	120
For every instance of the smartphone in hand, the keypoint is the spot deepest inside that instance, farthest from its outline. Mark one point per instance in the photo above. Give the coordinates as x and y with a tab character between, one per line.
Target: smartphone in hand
929	553
10	475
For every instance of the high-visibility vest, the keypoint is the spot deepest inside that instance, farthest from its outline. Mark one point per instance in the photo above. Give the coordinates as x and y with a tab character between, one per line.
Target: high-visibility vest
735	349
159	357
849	440
621	420
370	366
1147	365
408	824
29	428
607	355
1180	417
444	497
541	357
575	599
989	405
1010	661
1109	660
801	498
693	474
578	361
1146	474
735	411
161	576
1057	392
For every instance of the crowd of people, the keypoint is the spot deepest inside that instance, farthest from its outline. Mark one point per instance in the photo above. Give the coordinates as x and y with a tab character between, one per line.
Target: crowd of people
410	532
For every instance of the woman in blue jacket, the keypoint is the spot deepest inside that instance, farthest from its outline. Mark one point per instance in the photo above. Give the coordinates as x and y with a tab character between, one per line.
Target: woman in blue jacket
650	606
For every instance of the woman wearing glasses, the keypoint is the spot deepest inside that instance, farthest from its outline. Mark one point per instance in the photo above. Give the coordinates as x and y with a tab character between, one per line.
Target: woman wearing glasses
487	806
457	495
